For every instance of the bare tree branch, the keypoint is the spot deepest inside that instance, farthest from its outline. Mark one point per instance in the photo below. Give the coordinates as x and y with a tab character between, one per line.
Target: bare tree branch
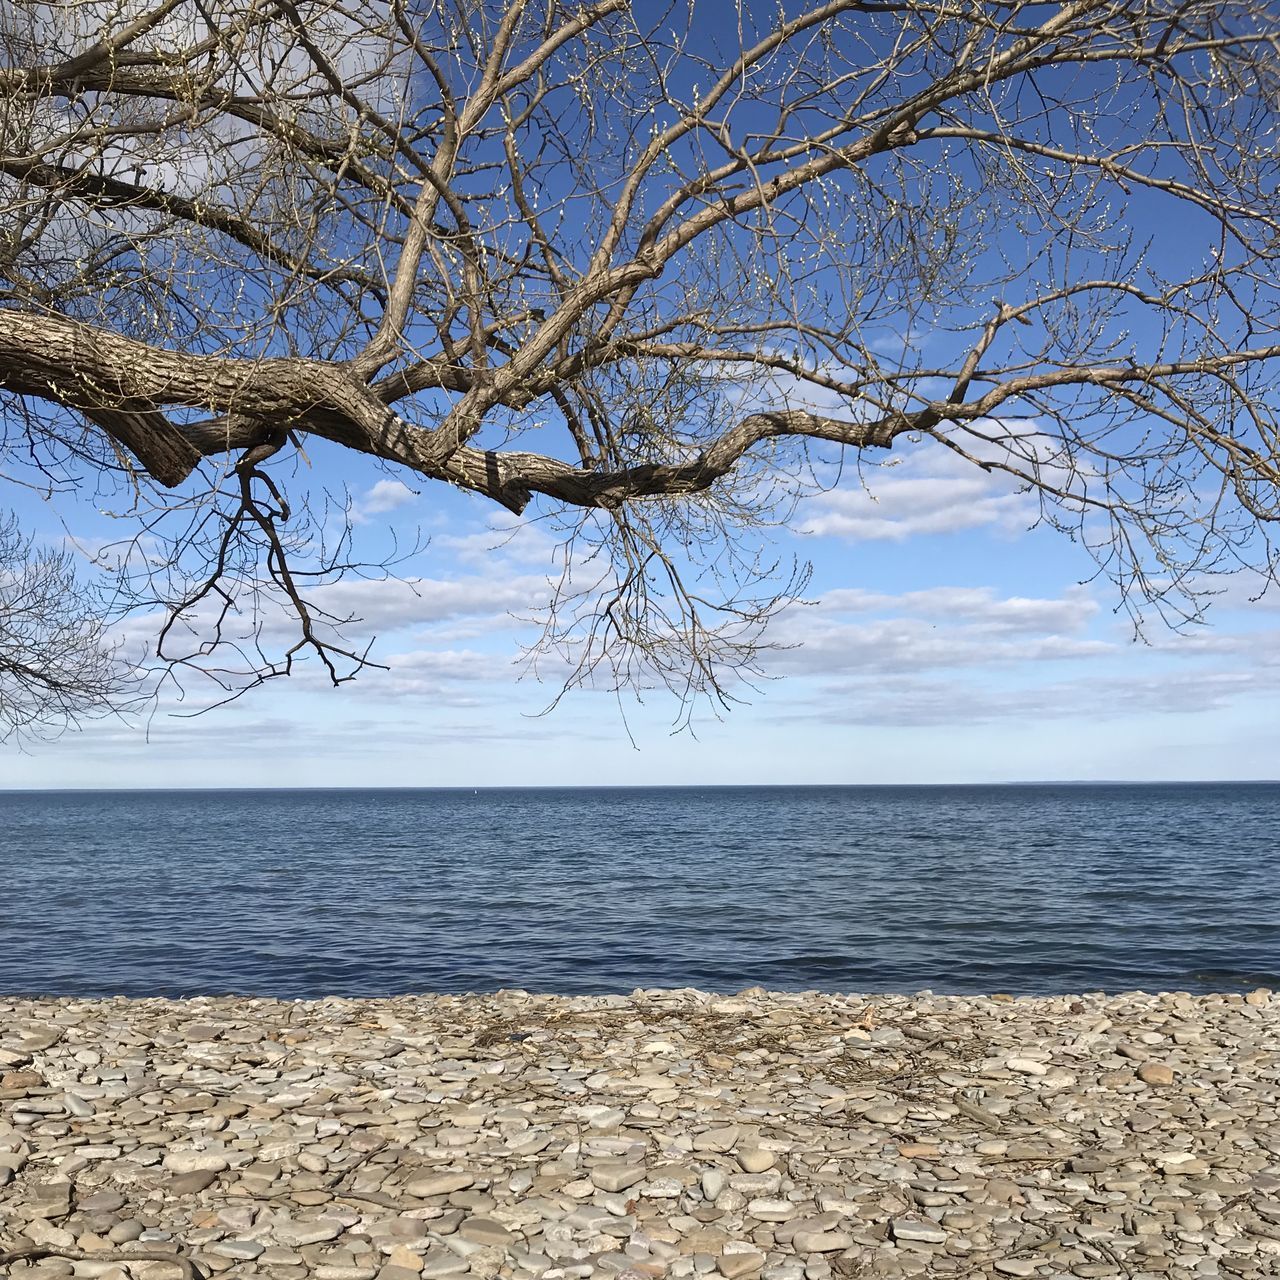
58	665
652	270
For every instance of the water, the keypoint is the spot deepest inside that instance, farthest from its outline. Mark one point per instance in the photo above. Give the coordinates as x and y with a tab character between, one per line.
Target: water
304	893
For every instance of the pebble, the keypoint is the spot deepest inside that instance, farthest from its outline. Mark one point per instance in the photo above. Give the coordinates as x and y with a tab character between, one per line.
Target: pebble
185	1184
821	1241
756	1159
1028	1066
732	1265
1015	1266
440	1184
617	1177
196	1162
911	1229
485	1231
666	1135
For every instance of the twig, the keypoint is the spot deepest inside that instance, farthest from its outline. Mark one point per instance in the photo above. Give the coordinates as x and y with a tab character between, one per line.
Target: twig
33	1252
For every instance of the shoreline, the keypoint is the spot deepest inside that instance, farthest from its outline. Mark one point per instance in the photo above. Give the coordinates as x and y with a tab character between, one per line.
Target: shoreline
793	1136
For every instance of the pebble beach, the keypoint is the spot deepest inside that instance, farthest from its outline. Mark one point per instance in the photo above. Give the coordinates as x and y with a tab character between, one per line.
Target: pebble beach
668	1133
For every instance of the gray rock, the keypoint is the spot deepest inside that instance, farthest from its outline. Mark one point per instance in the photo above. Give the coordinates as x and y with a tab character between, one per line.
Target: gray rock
486	1231
441	1264
821	1241
296	1234
50	1199
616	1176
101	1202
238	1250
1016	1266
440	1184
193	1161
915	1229
187	1184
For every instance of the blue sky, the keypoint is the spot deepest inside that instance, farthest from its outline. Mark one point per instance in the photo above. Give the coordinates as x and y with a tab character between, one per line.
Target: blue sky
945	641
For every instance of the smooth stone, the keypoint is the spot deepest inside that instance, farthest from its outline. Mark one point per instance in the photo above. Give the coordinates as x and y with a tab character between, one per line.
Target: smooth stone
885	1115
275	1256
43	1233
733	1265
187	1184
389	1272
186	1161
914	1229
297	1234
1015	1266
772	1210
821	1241
439	1184
21	1080
755	1159
102	1202
238	1250
39	1041
486	1231
918	1151
722	1139
617	1176
1157	1073
1027	1066
440	1264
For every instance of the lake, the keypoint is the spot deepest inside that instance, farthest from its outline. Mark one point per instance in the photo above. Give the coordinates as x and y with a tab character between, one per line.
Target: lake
1025	889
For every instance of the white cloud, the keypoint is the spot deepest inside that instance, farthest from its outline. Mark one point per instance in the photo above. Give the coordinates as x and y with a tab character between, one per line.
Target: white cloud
1070	612
908	701
351	614
395	603
851	630
439	673
515	542
382	497
928	490
889	645
962	656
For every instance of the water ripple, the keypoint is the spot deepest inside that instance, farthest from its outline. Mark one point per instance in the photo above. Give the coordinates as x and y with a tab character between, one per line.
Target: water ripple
1024	889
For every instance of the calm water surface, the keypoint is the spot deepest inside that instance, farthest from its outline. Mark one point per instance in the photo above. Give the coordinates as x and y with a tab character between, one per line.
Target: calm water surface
292	893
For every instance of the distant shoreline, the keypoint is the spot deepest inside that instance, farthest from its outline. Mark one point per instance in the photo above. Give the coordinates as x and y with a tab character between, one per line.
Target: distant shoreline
659	786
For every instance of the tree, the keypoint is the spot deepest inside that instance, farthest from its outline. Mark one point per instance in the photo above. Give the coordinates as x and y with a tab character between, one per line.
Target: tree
656	268
58	664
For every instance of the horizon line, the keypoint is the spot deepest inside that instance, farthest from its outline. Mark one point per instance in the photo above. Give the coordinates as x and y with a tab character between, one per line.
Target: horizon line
658	786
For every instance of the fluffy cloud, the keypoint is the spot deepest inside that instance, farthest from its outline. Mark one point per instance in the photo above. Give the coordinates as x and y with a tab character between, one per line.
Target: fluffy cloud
394	603
962	656
851	630
890	645
928	488
1070	612
910	701
501	541
382	497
